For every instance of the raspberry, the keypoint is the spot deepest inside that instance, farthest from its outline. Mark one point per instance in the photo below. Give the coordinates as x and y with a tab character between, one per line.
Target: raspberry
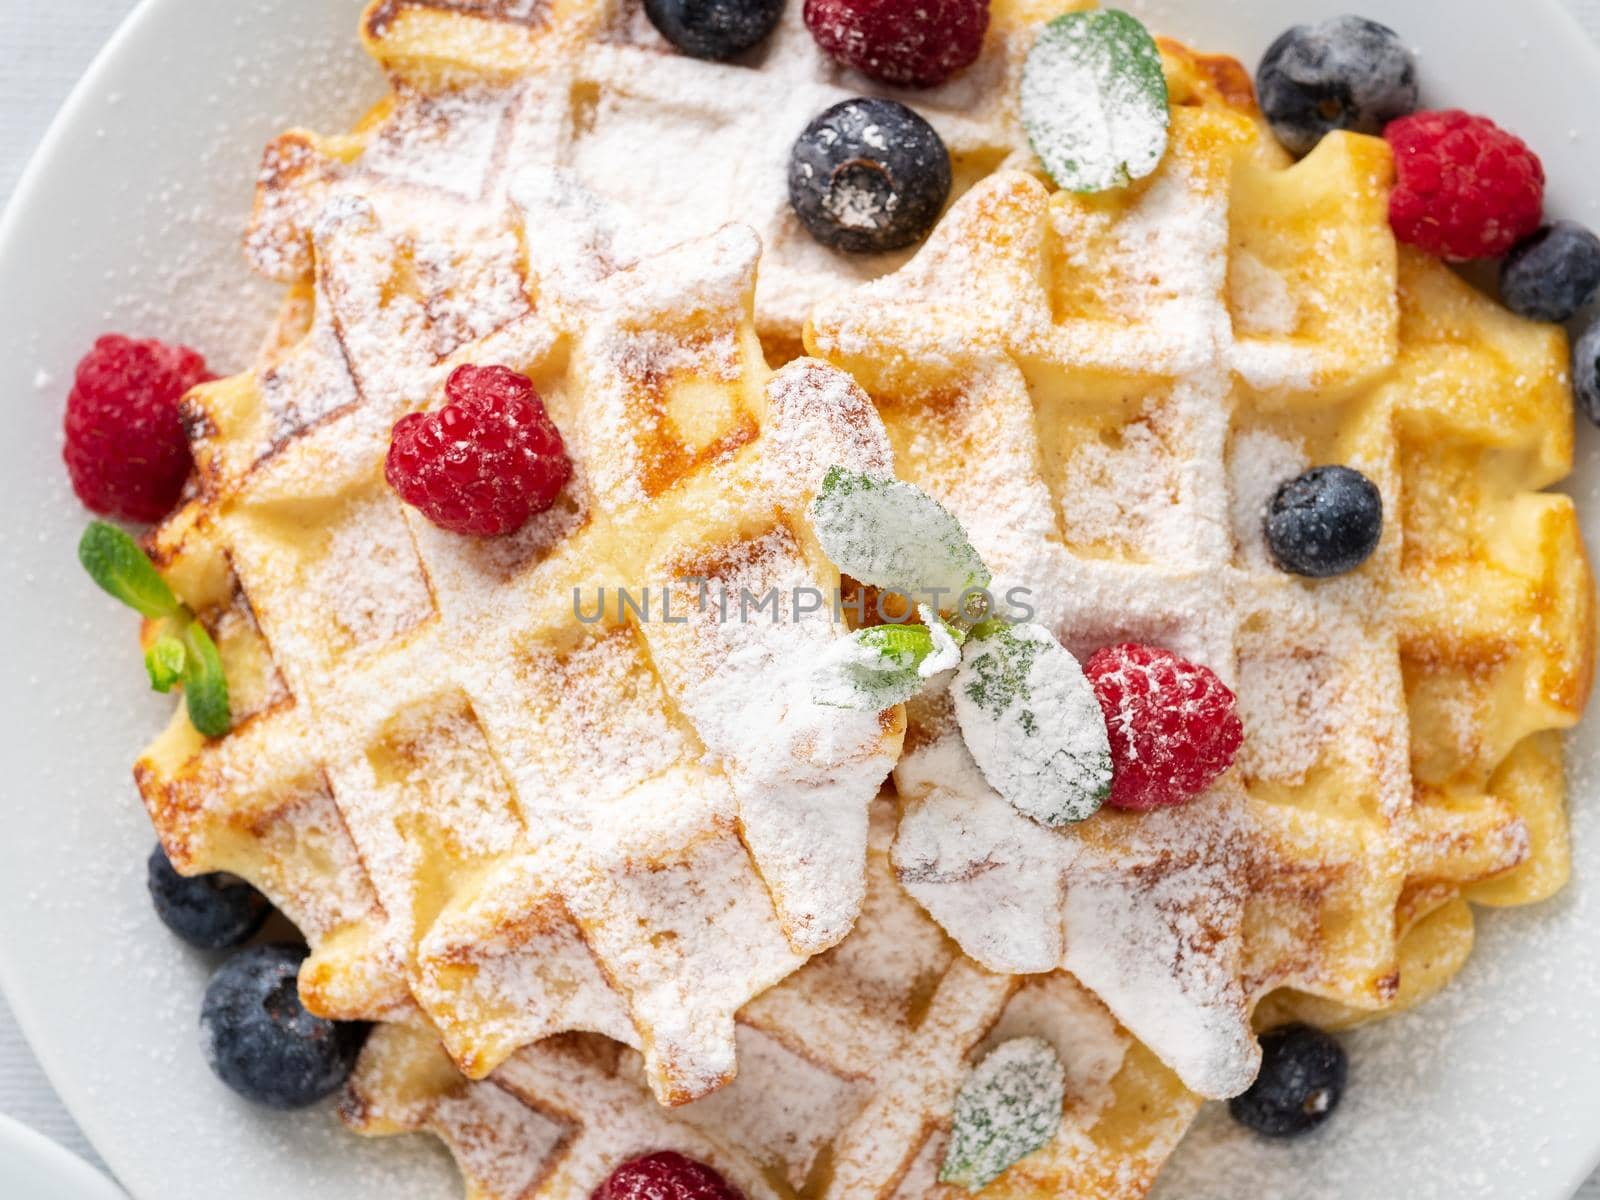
1172	724
485	462
665	1175
909	43
1464	187
125	449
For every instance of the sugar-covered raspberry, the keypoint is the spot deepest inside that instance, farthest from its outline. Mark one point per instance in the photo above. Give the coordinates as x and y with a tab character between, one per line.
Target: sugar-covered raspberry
665	1175
909	43
1464	188
125	448
1172	724
486	461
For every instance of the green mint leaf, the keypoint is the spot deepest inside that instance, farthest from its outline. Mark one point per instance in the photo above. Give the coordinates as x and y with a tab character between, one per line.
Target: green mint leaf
205	687
1033	725
184	652
988	627
165	661
115	562
1094	100
898	646
874	668
1009	1106
893	535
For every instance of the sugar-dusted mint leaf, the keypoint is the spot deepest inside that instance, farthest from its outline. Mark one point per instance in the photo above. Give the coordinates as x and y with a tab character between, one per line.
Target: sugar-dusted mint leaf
892	535
165	661
1009	1106
115	562
874	668
1094	100
205	686
902	645
1033	725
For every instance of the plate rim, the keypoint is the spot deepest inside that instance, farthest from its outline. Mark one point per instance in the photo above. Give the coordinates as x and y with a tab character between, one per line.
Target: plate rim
37	167
86	1182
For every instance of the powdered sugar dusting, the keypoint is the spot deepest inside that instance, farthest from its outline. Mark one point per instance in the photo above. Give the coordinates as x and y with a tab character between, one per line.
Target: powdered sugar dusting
644	862
1261	300
625	113
1148	532
1259	463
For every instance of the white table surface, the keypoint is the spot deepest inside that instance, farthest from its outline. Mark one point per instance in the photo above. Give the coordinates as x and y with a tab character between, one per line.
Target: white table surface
44	47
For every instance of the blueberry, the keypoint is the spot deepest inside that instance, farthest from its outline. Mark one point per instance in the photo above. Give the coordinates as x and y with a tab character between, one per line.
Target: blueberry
1586	372
260	1040
715	29
1342	73
213	912
1303	1073
868	175
1552	274
1325	522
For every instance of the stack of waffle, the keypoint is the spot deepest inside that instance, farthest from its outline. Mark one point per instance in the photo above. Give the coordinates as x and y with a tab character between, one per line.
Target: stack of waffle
583	870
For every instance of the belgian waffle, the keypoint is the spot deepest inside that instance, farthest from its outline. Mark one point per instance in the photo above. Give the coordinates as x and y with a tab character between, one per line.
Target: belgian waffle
483	87
1103	389
848	1070
626	826
1161	359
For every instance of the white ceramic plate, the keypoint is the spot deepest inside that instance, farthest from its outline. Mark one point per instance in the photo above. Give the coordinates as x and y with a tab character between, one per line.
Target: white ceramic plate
32	1167
128	220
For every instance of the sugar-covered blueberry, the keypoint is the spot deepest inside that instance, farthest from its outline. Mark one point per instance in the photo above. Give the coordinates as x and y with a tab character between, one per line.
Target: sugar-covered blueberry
1586	372
212	912
260	1040
868	175
714	29
1302	1079
1554	273
1343	73
1324	522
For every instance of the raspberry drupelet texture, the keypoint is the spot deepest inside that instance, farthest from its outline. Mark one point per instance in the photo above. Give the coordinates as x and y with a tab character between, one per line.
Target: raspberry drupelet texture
1464	188
1172	724
125	449
908	43
665	1175
486	461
